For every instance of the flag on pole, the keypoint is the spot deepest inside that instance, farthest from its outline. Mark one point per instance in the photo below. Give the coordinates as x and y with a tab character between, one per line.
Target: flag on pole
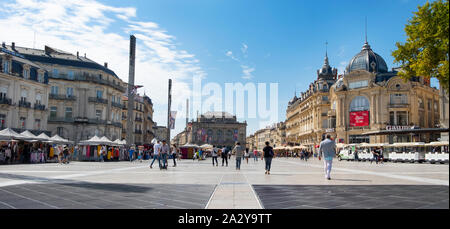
173	116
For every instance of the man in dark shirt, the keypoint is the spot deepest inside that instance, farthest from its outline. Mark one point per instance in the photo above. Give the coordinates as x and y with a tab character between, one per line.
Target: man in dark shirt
268	155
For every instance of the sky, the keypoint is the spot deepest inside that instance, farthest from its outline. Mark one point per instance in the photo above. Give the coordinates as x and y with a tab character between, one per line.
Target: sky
219	41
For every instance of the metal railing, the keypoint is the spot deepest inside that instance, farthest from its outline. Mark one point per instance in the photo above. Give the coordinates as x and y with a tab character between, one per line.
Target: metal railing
5	100
60	119
39	107
62	97
24	104
97	100
119	105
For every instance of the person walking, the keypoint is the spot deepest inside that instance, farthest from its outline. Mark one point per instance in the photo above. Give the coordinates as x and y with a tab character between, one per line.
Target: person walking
239	152
224	155
174	155
131	153
246	154
229	154
165	149
327	148
375	156
268	156
156	151
255	155
214	154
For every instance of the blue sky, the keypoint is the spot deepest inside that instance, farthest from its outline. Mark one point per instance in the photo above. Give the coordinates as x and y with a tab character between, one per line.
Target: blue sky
266	41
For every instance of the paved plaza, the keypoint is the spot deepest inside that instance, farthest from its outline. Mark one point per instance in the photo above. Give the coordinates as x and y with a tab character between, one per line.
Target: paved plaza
293	184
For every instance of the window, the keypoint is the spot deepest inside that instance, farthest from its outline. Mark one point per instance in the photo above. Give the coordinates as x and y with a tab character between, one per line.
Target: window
70	75
359	103
99	94
98	114
55	73
358	84
429	103
69	92
26	74
53	111
402	118
22	122
38	98
60	131
333	107
112	116
421	105
68	113
3	92
2	121
54	90
324	98
37	124
6	66
24	96
113	99
324	123
40	77
399	99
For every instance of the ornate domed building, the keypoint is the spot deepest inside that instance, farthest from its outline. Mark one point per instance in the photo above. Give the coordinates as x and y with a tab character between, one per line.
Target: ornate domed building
370	98
367	98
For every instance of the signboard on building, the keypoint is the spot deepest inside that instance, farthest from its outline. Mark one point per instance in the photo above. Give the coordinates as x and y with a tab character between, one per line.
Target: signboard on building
359	118
399	127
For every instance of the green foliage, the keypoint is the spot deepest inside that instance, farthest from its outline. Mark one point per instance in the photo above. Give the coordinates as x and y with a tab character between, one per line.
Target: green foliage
425	52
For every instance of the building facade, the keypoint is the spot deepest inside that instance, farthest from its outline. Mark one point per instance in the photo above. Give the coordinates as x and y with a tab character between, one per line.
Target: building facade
160	132
84	98
215	128
367	98
306	116
23	92
142	119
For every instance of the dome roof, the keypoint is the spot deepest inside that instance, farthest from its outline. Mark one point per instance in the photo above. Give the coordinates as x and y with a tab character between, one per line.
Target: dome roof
326	68
367	60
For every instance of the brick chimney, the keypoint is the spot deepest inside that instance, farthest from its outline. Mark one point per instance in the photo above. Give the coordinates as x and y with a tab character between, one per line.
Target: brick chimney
13	46
106	64
78	54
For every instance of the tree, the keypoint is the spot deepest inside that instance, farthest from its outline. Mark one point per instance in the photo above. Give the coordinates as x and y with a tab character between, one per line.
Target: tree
425	52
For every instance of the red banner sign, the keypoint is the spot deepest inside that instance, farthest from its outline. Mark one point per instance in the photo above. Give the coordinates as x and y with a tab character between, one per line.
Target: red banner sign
359	118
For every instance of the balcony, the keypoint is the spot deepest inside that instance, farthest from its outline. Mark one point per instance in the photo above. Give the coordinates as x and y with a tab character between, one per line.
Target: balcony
138	119
5	100
39	107
117	124
60	119
138	131
89	78
81	120
97	121
97	100
62	97
118	105
398	105
24	104
124	117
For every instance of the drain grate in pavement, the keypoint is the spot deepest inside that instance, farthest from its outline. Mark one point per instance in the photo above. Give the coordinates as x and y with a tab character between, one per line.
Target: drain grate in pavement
353	196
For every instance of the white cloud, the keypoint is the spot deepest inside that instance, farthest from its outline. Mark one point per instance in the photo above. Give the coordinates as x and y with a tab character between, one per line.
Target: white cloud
244	49
247	72
102	31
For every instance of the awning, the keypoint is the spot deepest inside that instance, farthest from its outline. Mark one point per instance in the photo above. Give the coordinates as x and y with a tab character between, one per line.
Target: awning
407	131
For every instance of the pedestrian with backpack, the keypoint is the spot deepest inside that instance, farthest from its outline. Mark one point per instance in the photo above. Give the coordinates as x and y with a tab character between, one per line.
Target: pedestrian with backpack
268	156
224	155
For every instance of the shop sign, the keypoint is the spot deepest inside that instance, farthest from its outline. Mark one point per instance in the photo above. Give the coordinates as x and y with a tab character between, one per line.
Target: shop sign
399	127
359	118
329	130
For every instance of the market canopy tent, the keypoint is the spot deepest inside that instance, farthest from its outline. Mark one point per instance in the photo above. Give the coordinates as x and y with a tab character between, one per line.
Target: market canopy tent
441	143
106	141
59	140
43	137
93	141
206	146
9	134
28	136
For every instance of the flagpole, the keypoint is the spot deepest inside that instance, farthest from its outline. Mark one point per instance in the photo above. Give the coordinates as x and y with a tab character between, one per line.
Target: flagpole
168	111
130	134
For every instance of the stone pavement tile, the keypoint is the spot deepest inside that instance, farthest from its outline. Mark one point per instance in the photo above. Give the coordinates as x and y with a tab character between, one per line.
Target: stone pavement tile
403	205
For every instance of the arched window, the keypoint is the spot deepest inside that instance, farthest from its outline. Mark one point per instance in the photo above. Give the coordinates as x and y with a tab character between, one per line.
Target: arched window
359	103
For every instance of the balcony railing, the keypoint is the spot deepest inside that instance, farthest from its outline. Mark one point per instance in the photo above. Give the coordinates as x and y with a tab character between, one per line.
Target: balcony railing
138	119
124	117
60	119
5	100
398	105
96	121
24	104
117	124
39	107
98	100
62	97
89	78
138	131
118	105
